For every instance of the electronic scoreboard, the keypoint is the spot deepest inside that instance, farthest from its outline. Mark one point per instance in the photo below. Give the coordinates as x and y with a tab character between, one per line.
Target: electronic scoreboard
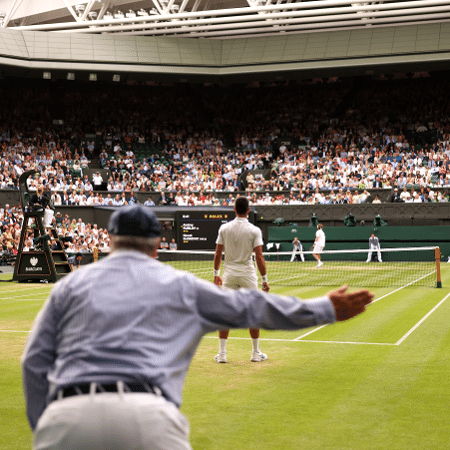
197	230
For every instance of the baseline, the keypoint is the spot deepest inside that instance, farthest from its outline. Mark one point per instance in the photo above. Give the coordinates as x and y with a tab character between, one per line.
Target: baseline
309	340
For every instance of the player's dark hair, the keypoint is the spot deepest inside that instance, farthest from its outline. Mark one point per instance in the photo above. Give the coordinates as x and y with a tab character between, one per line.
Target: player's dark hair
241	205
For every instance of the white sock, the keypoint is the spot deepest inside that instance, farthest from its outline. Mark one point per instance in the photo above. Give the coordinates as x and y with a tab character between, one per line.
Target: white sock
255	345
222	345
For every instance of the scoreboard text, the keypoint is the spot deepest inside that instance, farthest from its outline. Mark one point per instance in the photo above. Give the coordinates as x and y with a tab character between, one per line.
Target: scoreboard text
197	230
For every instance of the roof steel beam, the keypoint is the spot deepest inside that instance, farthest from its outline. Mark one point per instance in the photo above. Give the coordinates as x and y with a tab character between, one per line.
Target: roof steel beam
293	17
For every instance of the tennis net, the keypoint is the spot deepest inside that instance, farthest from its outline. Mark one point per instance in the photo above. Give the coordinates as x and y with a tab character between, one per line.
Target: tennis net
414	266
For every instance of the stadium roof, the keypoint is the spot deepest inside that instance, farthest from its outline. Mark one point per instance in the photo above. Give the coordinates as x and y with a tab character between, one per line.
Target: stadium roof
222	41
224	19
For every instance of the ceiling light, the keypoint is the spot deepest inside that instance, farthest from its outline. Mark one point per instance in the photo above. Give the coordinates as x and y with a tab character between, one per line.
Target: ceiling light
80	9
92	15
92	77
142	12
130	14
70	76
116	78
119	15
47	75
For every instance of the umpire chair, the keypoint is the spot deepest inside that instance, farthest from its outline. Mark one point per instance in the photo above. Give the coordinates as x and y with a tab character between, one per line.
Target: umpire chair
47	261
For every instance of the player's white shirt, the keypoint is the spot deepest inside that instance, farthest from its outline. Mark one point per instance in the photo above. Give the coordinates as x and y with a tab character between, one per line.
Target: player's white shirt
321	238
239	237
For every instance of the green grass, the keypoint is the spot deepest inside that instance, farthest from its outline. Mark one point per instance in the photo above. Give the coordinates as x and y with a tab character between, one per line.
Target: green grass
379	381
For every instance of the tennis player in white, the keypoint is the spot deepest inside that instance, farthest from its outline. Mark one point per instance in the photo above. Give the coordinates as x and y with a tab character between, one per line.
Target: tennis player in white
319	244
239	239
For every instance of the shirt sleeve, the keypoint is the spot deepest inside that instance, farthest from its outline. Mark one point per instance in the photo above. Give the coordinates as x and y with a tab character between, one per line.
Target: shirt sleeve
37	360
219	239
258	238
223	308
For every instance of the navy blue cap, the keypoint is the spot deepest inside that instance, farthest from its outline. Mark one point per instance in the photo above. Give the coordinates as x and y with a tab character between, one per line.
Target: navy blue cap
135	220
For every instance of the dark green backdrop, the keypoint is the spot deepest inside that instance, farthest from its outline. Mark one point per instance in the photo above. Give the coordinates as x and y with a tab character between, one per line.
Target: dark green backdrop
358	237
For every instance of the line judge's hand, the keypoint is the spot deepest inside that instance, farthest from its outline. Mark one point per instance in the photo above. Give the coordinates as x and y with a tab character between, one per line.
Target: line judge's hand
218	281
348	305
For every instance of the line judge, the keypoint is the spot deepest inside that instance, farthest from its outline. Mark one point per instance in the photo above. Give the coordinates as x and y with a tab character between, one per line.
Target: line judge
107	356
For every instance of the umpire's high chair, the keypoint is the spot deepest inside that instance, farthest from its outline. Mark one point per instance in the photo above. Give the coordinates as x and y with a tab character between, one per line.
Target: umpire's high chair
46	260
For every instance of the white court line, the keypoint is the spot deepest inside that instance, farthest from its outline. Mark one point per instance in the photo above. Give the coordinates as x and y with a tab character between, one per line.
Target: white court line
298	339
373	301
14	331
400	288
348	342
21	297
39	287
421	320
310	332
308	341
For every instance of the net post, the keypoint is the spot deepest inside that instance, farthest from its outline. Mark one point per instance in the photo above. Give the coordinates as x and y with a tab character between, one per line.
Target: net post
437	257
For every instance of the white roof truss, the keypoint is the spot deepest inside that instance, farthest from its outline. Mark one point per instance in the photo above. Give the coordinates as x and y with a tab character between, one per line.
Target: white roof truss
215	18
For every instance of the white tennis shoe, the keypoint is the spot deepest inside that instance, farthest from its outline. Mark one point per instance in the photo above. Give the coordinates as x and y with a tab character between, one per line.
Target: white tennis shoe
258	357
221	358
319	264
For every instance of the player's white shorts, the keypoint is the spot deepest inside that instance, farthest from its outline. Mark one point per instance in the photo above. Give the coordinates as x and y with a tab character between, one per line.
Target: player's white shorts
318	248
233	281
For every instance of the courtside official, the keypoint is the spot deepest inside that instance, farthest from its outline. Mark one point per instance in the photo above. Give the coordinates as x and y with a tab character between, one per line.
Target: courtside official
106	359
374	245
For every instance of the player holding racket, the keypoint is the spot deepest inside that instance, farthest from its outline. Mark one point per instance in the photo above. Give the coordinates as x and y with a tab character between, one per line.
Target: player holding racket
319	244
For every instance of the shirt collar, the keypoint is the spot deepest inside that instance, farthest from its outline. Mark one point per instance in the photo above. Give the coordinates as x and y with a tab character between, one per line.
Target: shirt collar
129	252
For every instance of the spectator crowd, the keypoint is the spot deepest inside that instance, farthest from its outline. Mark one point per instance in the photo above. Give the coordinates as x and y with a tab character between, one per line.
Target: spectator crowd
77	237
346	141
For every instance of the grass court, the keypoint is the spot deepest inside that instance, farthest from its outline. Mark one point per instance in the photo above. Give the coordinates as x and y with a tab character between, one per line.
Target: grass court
378	381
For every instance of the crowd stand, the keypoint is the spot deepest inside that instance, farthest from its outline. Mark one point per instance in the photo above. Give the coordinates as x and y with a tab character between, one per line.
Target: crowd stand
279	143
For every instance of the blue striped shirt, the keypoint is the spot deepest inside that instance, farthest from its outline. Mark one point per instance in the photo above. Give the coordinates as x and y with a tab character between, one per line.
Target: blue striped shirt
130	317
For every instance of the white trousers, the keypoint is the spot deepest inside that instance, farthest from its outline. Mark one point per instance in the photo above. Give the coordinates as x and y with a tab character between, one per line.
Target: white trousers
300	252
112	421
369	256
